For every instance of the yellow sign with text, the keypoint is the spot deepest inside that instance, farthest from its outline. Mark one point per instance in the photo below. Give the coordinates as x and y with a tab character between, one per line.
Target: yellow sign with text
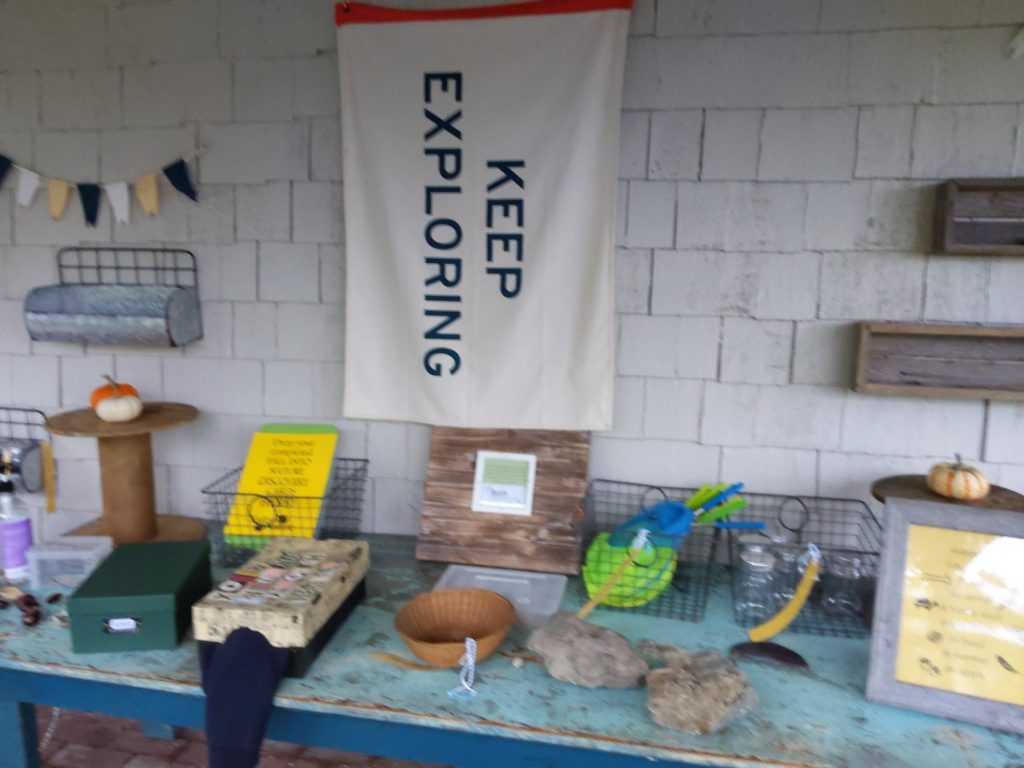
283	482
962	618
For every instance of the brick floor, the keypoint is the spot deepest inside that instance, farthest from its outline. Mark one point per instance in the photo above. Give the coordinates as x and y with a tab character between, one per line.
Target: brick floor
87	740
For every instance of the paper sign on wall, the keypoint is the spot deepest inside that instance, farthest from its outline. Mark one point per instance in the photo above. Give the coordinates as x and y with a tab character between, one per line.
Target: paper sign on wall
503	483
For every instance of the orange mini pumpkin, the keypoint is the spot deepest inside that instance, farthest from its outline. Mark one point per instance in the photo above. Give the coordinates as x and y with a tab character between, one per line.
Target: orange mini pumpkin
958	481
113	389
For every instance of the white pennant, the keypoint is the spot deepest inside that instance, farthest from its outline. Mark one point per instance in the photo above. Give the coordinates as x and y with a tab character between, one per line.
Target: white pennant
119	200
28	185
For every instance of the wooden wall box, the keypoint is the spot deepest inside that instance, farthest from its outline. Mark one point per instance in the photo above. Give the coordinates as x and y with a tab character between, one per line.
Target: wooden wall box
980	217
940	360
546	540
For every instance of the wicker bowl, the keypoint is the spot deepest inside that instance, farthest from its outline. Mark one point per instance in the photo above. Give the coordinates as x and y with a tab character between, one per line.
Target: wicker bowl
435	625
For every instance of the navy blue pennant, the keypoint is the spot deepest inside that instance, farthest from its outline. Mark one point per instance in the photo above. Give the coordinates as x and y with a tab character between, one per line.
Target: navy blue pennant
5	166
90	194
177	174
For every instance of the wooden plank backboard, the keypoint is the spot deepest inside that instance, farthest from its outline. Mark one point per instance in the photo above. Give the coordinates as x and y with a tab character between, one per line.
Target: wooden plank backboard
547	540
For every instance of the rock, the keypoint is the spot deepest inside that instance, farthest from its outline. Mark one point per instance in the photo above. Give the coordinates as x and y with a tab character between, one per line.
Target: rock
698	693
662	655
586	654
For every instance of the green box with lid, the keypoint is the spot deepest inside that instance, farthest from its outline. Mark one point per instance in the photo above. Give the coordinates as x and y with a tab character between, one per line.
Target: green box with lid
140	598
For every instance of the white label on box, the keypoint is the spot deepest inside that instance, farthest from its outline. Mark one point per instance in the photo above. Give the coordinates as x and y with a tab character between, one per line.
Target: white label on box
122	626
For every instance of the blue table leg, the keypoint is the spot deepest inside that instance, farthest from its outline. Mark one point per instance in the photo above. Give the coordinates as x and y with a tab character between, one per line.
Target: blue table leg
19	740
164	731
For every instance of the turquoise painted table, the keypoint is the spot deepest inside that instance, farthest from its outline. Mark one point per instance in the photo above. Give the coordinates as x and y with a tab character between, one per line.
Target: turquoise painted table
521	717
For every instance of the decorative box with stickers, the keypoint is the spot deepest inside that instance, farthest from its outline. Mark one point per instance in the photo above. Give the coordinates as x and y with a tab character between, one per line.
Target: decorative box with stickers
296	592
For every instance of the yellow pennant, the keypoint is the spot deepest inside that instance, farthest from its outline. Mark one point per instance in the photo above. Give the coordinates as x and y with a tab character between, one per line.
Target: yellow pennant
146	191
59	192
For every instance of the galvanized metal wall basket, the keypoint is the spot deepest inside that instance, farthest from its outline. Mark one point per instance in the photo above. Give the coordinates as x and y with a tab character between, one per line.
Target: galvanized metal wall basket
118	296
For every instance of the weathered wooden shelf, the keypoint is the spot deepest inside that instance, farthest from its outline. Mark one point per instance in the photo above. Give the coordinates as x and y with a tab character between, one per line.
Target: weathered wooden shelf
941	360
980	217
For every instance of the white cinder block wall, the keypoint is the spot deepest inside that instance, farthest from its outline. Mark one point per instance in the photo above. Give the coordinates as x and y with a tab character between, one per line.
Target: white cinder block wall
777	170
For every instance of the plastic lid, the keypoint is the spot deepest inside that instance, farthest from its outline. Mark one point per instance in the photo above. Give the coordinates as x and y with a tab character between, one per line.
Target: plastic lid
757	560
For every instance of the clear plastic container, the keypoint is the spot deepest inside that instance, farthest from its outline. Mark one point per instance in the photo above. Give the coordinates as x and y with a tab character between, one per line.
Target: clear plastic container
536	596
755	594
65	562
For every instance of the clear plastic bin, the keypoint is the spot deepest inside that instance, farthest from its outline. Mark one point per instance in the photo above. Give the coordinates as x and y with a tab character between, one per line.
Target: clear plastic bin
65	562
536	596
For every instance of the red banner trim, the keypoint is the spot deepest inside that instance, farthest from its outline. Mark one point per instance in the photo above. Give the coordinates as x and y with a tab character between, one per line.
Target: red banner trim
365	13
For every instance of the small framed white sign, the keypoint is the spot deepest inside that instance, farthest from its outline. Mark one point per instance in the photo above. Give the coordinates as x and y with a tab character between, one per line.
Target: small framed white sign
503	483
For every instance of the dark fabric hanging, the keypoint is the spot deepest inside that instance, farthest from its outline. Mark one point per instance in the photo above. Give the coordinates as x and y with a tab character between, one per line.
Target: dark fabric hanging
90	194
240	677
177	174
5	166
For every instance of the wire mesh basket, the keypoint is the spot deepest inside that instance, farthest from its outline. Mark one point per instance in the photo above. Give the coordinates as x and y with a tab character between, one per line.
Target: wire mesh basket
671	575
26	445
337	514
766	566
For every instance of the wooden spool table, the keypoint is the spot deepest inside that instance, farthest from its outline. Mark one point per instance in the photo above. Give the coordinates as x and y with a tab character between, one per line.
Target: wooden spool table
916	487
126	473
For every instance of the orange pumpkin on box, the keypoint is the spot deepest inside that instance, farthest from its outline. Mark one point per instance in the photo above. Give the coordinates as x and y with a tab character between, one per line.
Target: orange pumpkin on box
958	481
116	402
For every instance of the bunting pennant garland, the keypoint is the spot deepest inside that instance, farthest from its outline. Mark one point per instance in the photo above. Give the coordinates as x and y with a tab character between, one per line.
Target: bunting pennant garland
90	194
118	192
177	174
59	191
120	203
148	193
28	185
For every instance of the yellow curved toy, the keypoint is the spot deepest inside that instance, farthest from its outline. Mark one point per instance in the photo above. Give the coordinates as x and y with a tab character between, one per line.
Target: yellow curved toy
792	609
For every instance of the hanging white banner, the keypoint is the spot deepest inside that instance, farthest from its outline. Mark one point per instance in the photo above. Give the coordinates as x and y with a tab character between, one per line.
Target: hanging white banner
480	155
120	202
28	185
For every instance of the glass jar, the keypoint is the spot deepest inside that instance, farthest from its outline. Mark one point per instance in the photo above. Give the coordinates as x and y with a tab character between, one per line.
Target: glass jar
842	584
789	570
755	596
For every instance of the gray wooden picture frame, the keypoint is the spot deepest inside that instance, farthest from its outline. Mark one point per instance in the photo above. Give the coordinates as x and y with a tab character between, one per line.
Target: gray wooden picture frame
883	687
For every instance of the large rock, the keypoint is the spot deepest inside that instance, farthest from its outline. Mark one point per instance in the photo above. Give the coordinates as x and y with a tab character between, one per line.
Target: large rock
698	692
586	654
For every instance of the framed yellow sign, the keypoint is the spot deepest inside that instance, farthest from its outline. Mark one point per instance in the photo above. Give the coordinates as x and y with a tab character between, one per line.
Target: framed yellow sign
948	637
